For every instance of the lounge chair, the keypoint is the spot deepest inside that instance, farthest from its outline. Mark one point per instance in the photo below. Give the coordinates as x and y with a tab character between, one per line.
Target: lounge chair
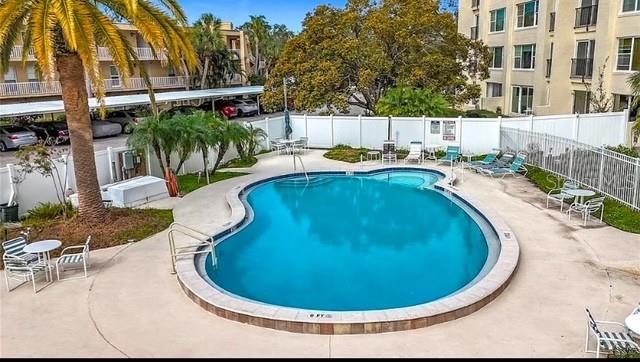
588	208
415	152
14	247
503	161
607	341
559	194
389	151
19	269
452	155
81	257
516	166
489	159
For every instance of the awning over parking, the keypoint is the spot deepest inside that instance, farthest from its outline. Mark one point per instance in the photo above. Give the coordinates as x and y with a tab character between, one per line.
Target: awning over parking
29	108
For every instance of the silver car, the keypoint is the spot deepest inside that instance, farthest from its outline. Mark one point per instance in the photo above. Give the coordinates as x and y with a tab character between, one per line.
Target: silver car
246	107
15	137
105	129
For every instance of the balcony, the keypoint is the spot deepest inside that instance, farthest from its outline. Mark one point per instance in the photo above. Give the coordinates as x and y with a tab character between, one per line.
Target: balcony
25	89
474	33
581	68
548	69
142	53
586	16
16	53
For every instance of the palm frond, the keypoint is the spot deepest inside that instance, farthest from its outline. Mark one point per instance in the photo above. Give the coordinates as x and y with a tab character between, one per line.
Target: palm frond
42	23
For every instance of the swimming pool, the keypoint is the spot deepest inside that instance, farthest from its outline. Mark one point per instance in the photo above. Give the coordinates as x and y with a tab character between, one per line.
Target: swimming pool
377	241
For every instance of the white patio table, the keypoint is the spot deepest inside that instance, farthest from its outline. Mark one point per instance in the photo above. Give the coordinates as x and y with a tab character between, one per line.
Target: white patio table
43	249
632	322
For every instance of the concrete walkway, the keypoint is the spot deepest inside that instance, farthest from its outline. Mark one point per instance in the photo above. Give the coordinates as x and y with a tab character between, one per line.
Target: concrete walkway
131	306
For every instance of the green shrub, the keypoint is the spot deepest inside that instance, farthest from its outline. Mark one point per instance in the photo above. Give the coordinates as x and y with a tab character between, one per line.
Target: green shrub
49	211
629	151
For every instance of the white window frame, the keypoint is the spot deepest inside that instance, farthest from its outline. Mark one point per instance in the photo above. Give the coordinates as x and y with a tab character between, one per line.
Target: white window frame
520	88
493	53
533	56
10	76
115	79
490	86
636	11
31	68
634	39
535	15
493	18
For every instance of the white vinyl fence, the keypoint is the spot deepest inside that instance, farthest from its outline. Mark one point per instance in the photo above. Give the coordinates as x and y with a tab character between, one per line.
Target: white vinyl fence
474	135
608	172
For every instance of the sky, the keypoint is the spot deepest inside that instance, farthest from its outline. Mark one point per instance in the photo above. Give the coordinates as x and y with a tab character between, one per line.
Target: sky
288	12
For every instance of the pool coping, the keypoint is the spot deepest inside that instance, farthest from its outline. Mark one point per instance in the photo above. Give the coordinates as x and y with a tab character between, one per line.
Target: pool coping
299	320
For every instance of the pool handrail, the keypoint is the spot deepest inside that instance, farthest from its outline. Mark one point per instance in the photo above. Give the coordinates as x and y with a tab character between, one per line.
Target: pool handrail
202	238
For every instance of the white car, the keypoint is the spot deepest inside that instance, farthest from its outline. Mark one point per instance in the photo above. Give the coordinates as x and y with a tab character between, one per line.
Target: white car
246	107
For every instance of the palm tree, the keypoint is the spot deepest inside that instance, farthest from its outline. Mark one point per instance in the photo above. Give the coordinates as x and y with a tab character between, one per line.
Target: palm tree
634	84
207	136
65	36
208	41
227	132
257	29
409	102
275	42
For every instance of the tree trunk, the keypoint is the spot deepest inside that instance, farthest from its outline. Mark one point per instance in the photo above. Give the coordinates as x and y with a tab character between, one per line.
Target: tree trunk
205	160
76	107
221	151
257	64
204	73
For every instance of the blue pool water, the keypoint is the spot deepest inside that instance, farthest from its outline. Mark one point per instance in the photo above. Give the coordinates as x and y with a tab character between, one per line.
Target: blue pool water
345	243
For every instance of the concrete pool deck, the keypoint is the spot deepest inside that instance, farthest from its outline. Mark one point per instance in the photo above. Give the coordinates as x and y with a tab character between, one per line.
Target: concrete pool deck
131	306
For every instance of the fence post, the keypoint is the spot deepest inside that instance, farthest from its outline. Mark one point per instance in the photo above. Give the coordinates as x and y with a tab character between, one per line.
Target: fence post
306	126
601	171
390	128
576	127
531	123
332	135
110	160
499	132
636	186
424	131
628	138
360	129
460	134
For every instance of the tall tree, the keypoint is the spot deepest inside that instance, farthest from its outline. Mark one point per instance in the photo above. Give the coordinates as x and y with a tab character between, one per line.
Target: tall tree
352	56
65	36
257	28
208	42
274	45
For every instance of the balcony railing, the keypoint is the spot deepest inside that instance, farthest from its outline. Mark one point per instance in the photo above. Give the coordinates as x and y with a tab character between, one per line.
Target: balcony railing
548	69
29	89
16	53
581	68
586	16
53	88
552	22
474	33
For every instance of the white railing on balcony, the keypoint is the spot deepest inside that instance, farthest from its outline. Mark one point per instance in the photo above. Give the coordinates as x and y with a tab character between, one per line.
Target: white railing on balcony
29	89
142	53
16	53
104	54
138	83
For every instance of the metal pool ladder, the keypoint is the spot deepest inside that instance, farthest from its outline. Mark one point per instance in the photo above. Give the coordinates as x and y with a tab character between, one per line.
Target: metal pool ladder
302	164
202	240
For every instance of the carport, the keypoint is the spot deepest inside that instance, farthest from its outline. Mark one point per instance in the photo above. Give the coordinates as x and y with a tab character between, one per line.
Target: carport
50	107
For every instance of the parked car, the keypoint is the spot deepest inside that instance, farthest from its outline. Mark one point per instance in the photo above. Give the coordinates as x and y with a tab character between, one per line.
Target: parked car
127	119
15	137
105	129
186	110
51	133
246	107
225	108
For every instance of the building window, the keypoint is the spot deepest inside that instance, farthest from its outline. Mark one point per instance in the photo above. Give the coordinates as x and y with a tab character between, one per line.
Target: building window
628	54
581	100
496	57
522	100
171	72
497	20
10	75
525	56
32	73
114	75
494	90
527	14
630	5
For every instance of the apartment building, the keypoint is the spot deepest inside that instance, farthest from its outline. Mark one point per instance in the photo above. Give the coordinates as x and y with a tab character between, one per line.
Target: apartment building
547	53
24	83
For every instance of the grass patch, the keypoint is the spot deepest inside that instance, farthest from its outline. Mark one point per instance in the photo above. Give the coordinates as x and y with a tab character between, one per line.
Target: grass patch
240	162
120	226
190	182
616	214
352	155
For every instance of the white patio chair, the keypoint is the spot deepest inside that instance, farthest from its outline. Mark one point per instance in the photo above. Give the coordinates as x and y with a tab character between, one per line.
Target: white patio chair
14	247
305	143
389	151
607	341
559	194
17	268
79	258
588	208
415	152
277	146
